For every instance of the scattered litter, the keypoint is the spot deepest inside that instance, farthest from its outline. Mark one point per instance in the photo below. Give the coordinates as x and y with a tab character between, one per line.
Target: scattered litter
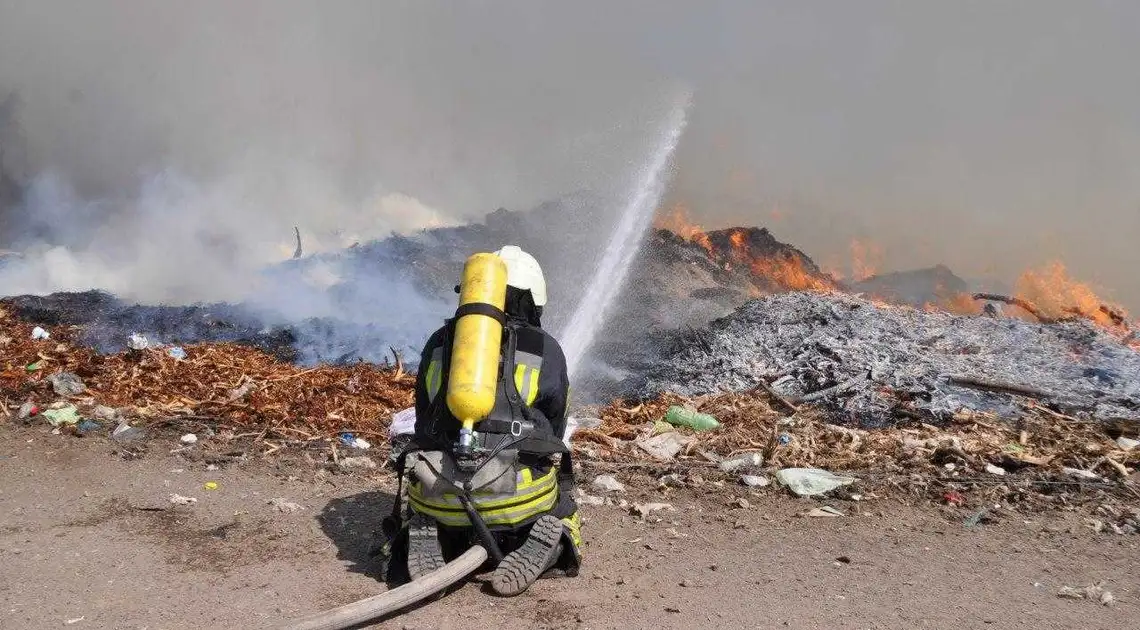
351	441
1092	593
87	426
362	462
103	412
126	433
138	342
67	384
665	447
672	480
286	506
189	438
589	499
953	497
645	509
27	410
681	417
33	367
747	461
784	439
607	483
1081	474
1127	444
755	481
210	485
976	519
178	499
176	352
403	422
826	510
742	503
211	467
62	415
40	333
995	470
809	482
70	622
241	391
400	432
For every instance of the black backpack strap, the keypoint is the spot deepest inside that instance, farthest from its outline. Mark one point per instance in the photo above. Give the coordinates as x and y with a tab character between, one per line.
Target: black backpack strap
508	373
566	470
434	409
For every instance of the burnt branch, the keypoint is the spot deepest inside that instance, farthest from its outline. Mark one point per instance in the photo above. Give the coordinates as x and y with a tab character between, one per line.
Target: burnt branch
1024	305
998	386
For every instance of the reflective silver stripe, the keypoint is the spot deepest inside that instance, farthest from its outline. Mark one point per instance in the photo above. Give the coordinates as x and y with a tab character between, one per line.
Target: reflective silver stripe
530	360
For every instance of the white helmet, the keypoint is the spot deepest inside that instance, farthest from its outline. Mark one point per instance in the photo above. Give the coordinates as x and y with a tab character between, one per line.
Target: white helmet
524	272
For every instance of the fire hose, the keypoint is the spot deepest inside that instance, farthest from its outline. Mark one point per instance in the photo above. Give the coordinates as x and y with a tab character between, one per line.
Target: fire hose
350	615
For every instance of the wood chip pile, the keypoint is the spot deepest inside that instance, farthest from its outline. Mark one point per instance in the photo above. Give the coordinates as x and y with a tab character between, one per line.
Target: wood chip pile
232	385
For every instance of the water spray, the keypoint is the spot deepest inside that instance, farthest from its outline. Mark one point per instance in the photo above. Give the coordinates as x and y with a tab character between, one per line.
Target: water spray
636	217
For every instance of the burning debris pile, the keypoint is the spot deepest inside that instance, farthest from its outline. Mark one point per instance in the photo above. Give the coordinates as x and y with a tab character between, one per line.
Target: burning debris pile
105	323
872	365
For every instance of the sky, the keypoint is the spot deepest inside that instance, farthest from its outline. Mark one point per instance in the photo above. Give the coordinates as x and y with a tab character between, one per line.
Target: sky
988	136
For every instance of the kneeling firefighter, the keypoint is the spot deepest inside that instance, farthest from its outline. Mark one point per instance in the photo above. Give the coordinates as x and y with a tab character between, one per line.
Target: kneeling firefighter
491	399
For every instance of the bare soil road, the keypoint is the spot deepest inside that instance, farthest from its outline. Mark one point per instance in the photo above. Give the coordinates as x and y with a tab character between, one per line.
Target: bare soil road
88	539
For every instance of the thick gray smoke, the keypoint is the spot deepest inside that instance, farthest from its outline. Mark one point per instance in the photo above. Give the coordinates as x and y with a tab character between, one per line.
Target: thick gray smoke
165	150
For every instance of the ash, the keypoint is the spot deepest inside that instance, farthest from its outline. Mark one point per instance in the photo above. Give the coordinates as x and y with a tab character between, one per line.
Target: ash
892	362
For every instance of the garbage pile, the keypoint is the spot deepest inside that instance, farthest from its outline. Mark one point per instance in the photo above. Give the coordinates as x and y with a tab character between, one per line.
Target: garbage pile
758	440
873	365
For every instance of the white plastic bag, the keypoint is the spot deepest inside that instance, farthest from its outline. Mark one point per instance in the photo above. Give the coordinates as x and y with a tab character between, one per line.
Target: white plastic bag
403	422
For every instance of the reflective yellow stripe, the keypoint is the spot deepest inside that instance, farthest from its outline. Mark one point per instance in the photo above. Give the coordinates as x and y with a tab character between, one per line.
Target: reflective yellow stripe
435	370
535	497
502	517
533	393
573	525
520	375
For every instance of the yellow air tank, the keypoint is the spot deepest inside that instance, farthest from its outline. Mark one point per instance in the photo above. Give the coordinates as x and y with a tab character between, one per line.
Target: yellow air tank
474	373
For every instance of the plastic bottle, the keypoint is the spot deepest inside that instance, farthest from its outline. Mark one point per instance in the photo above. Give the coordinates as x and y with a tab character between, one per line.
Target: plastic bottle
682	417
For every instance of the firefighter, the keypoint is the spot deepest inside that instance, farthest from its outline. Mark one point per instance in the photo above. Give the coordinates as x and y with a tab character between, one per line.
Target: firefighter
540	522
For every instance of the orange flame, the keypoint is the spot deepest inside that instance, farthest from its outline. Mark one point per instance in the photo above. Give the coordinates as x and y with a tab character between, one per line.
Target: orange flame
677	221
953	302
1058	295
783	272
866	259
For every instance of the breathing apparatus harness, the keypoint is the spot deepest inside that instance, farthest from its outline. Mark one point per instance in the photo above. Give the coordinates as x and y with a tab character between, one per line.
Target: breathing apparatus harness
511	424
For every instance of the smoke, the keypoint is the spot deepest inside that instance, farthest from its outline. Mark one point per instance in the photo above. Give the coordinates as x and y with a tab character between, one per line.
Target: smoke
166	150
173	148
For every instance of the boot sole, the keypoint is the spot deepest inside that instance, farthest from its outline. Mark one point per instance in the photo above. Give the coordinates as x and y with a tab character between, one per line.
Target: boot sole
424	551
523	566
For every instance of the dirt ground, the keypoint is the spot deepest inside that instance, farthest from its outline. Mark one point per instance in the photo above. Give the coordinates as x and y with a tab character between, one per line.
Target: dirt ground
88	539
